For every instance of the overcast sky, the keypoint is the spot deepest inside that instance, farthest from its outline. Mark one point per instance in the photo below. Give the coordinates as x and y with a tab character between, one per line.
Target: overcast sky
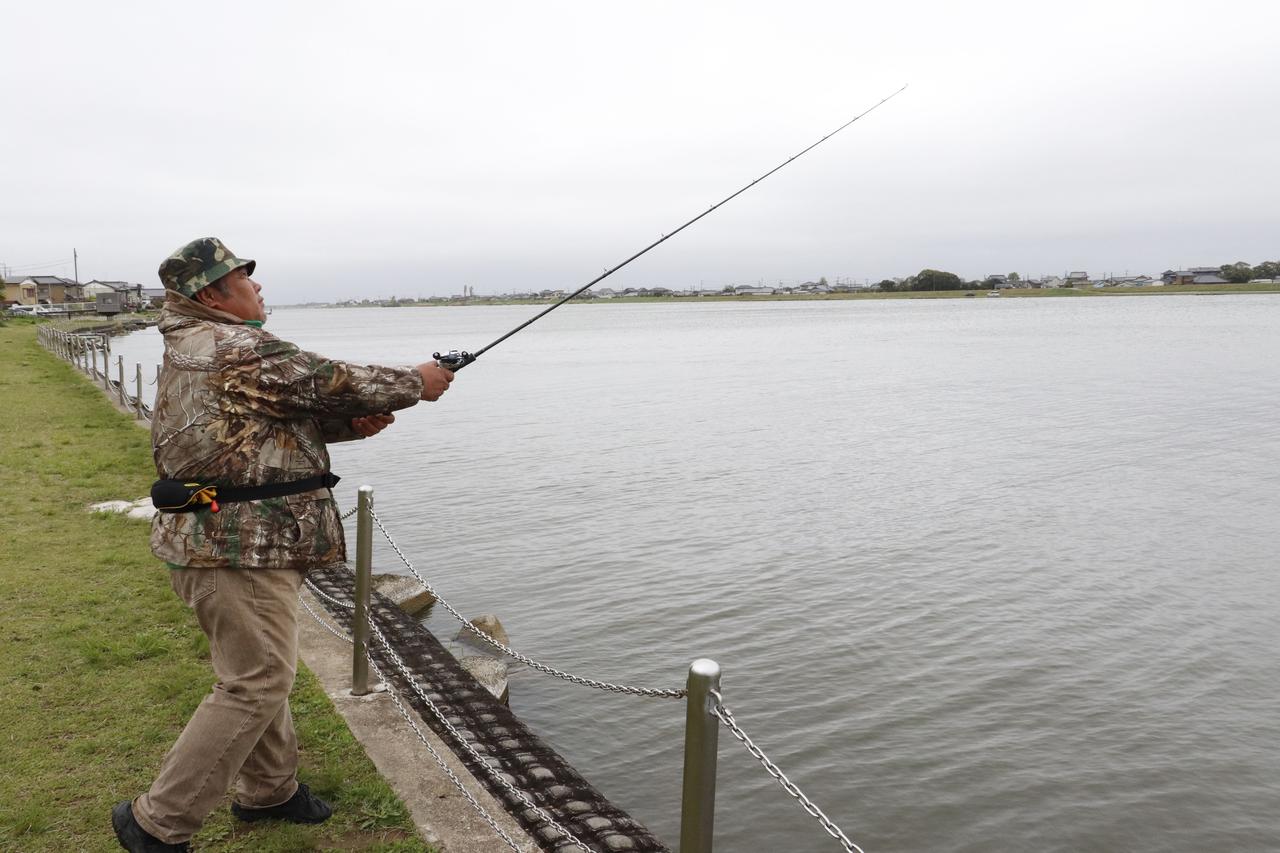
413	148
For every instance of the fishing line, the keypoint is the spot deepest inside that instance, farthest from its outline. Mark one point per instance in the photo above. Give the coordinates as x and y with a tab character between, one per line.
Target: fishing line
455	360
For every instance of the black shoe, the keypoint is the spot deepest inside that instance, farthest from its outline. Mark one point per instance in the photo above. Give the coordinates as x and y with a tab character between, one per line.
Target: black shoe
302	807
134	838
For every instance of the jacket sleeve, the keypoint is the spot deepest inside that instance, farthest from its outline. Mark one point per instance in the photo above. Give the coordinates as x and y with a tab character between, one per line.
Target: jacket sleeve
265	374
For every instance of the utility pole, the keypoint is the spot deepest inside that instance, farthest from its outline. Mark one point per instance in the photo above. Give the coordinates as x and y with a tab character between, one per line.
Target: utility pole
76	260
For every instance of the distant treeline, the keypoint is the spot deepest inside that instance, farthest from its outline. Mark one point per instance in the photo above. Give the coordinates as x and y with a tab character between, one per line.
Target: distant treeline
928	279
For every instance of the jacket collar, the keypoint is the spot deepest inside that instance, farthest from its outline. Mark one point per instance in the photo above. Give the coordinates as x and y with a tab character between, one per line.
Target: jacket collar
178	307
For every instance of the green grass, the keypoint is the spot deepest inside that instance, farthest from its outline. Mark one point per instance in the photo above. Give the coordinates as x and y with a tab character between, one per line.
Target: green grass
100	663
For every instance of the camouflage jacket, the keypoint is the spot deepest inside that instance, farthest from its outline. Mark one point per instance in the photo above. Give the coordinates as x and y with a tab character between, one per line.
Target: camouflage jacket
236	405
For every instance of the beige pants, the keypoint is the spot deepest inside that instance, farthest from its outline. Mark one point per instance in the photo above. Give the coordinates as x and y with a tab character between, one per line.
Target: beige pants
243	726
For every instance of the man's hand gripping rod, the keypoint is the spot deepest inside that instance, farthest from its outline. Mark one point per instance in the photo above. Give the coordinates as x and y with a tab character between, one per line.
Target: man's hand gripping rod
455	360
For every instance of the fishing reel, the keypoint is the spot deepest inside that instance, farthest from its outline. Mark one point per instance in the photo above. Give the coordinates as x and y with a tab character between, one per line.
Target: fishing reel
454	359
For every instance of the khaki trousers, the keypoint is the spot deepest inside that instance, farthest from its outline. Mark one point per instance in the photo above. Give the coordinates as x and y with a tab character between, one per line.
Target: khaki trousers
244	725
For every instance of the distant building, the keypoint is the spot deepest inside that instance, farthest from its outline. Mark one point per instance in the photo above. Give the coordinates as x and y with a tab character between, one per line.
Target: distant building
1128	280
93	288
1077	277
21	292
130	296
1194	275
43	290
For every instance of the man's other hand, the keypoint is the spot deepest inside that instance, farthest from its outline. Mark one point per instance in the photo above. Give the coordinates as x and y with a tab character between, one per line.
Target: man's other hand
372	424
435	380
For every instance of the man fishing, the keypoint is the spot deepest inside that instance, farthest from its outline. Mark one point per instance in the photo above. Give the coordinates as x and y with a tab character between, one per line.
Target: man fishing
239	433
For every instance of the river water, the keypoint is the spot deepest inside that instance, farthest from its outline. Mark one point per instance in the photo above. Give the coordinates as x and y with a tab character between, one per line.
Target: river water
983	575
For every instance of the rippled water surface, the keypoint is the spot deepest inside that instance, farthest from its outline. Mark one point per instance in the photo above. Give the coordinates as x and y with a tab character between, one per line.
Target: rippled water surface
983	575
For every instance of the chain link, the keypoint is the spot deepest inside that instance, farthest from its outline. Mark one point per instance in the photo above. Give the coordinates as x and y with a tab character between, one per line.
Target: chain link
723	714
530	662
395	697
319	593
466	745
332	630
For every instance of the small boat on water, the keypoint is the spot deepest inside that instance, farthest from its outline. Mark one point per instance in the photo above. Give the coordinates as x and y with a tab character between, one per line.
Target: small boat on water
991	293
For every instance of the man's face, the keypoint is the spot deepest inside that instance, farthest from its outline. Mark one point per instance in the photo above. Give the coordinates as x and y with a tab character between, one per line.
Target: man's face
238	295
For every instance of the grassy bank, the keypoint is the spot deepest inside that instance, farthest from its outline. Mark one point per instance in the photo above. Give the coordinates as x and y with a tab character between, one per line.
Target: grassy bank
100	664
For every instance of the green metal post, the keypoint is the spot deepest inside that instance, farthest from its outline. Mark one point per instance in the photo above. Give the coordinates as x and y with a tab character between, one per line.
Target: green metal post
701	740
364	572
137	380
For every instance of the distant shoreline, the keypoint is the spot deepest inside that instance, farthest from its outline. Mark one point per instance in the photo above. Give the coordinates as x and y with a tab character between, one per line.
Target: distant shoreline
1009	293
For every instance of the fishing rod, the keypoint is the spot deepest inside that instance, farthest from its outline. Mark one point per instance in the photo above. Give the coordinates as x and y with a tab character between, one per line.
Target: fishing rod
455	360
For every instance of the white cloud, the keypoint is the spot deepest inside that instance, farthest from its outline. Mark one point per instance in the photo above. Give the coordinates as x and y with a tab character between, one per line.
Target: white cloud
419	147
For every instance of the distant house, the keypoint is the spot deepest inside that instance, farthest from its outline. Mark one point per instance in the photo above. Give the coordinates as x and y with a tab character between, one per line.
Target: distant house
93	288
21	292
1077	278
1128	280
749	290
1194	275
130	296
44	290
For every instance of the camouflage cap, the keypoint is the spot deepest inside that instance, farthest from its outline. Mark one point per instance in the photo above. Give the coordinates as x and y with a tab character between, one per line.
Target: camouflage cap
199	264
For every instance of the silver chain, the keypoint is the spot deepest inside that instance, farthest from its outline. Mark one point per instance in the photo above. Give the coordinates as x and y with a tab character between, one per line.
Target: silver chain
723	714
349	513
332	630
395	697
466	745
541	667
319	593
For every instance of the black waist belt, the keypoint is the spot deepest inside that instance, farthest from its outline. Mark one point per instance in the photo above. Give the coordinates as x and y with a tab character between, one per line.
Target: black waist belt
188	496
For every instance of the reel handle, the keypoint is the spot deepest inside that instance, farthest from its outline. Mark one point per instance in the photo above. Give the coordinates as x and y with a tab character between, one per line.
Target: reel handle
454	359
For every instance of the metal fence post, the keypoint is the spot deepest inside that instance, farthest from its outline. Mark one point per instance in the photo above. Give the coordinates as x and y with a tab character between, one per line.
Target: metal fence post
106	364
701	739
364	570
120	384
137	404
